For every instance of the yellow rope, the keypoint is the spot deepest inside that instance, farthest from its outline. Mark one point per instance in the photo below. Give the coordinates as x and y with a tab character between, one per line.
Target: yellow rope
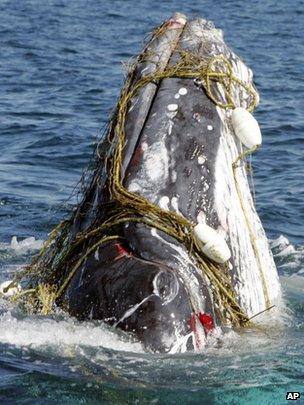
235	165
81	260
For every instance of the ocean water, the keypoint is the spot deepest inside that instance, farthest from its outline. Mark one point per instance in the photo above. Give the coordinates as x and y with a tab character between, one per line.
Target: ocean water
60	75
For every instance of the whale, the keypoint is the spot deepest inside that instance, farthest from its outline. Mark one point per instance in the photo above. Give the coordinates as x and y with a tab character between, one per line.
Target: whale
181	153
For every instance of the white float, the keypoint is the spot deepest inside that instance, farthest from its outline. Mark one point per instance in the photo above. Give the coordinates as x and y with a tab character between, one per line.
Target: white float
9	291
211	243
246	128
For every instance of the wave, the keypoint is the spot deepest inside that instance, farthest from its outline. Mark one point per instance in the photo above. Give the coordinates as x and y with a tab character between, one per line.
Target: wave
289	258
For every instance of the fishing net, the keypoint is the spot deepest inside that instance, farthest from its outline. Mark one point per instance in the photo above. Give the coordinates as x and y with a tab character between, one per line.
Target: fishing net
51	271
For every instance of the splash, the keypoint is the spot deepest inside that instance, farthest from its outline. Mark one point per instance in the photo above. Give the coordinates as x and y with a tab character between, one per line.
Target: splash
61	334
19	248
25	245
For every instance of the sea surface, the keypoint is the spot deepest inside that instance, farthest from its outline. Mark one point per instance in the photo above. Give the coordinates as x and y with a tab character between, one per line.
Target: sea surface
60	75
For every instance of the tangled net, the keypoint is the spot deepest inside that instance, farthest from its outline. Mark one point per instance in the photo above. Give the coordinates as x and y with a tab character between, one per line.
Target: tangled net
51	271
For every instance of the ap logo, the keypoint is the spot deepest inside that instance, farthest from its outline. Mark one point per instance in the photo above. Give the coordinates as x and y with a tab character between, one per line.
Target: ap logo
293	395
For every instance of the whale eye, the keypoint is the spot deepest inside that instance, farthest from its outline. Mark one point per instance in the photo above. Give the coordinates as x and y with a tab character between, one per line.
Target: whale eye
165	286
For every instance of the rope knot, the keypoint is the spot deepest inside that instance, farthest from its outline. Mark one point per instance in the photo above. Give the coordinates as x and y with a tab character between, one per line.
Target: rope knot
220	72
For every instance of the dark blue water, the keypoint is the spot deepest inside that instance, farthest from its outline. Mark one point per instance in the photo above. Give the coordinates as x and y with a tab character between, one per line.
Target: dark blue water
60	76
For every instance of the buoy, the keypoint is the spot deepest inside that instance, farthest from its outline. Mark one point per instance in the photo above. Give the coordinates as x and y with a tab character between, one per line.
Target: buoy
9	291
246	127
211	243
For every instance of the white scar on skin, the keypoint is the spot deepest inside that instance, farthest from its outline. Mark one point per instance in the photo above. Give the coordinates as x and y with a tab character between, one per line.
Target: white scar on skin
182	91
172	107
133	187
201	160
144	146
133	104
174	203
164	203
201	218
170	126
131	311
156	162
171	114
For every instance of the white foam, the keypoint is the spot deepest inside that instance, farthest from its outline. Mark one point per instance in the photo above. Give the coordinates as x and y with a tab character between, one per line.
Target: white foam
289	250
8	288
37	332
25	245
288	255
280	241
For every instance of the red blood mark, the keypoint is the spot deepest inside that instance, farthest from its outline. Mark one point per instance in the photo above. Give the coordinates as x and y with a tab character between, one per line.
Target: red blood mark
207	322
174	24
121	251
137	156
193	322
